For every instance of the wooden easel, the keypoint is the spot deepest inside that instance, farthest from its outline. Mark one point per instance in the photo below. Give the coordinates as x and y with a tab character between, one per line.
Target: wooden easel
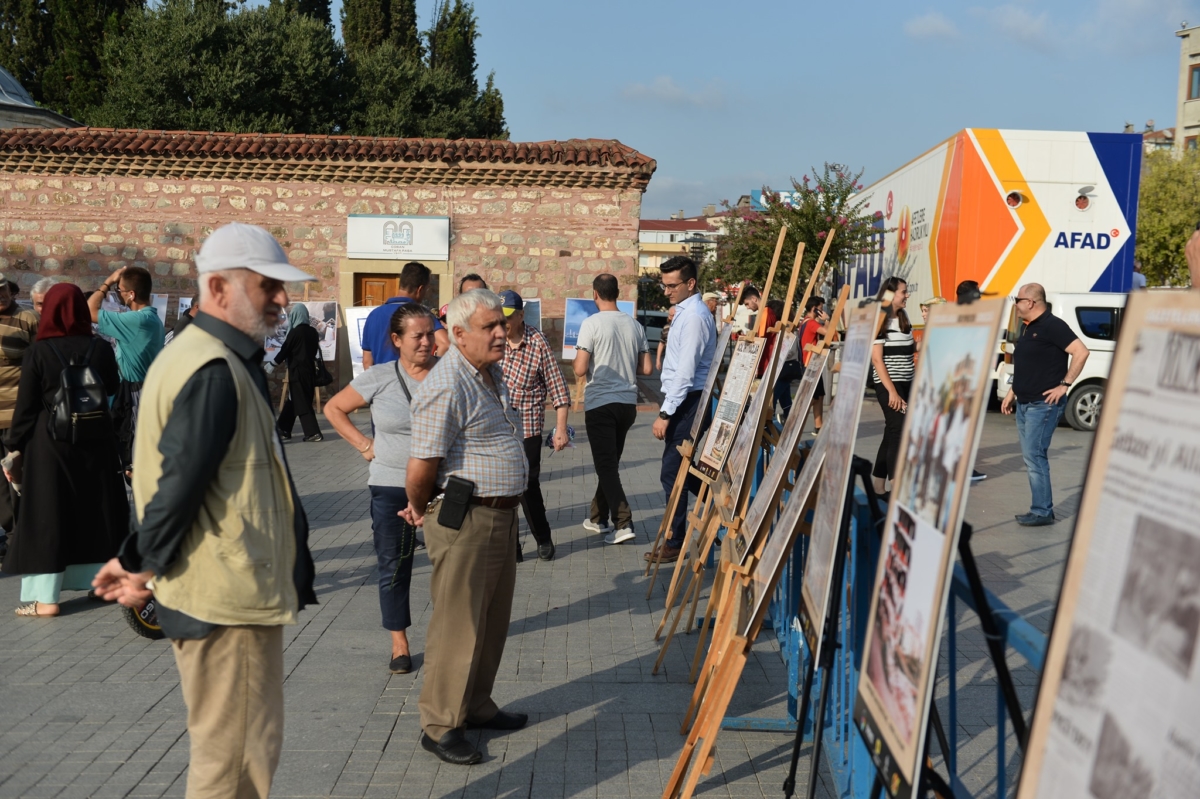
733	521
729	499
687	450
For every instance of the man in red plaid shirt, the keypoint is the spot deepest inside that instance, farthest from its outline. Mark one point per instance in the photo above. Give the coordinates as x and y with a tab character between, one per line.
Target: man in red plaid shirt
531	374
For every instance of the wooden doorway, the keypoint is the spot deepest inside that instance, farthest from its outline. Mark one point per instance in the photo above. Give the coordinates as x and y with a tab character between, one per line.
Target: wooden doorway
373	290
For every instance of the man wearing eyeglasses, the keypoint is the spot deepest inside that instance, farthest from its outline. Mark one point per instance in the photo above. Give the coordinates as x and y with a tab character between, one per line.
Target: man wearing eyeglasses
1047	359
685	368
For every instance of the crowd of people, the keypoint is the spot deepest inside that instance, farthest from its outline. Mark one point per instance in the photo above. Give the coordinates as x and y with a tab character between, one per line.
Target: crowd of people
216	531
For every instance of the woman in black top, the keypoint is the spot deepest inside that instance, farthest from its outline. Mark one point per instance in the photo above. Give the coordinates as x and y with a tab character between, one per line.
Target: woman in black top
300	351
892	361
74	512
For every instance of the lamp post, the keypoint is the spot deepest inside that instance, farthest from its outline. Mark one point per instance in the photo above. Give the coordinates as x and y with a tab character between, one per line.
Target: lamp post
697	246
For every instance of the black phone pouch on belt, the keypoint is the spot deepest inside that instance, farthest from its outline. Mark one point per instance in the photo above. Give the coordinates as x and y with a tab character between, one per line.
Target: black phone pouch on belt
456	501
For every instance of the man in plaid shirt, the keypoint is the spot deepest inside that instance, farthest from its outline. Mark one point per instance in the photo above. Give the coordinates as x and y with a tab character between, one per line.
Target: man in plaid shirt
531	374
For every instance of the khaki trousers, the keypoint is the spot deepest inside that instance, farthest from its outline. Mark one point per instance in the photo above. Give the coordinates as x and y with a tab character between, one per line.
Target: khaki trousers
233	685
474	573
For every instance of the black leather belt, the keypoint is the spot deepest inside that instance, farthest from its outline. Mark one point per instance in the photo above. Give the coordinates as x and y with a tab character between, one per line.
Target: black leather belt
499	503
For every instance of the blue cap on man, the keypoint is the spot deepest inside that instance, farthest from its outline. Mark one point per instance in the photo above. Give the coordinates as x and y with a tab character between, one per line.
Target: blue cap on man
511	301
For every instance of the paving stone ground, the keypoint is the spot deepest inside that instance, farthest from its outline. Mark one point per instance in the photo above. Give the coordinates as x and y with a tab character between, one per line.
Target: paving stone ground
88	709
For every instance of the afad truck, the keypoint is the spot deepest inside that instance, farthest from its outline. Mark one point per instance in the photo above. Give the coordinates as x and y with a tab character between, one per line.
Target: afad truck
1005	208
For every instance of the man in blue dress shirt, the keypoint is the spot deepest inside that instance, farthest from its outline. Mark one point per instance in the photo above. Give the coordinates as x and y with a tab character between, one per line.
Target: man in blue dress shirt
688	358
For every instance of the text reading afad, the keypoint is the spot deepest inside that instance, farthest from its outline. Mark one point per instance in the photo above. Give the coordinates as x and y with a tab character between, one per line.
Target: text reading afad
1085	241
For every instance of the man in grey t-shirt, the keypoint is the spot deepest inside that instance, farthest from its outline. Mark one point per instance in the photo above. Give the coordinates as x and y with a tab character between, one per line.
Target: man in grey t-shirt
610	349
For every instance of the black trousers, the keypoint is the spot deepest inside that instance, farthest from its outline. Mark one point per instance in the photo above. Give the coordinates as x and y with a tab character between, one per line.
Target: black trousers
893	426
299	404
607	427
677	432
531	501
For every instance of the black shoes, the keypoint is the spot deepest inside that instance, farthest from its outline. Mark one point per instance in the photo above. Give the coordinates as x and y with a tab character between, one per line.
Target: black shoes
453	748
976	476
546	552
401	664
502	721
1034	520
316	437
284	436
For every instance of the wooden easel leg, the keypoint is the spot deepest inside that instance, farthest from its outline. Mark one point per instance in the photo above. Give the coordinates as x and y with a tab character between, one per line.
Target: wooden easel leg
693	586
677	491
685	559
706	741
718	596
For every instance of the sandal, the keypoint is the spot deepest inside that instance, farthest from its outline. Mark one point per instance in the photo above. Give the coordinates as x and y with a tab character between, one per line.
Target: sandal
32	610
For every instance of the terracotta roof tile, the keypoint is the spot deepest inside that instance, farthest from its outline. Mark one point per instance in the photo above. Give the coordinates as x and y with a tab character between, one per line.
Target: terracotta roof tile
593	152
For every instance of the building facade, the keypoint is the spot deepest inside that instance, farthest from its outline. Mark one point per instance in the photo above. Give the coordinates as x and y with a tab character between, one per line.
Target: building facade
542	218
1187	108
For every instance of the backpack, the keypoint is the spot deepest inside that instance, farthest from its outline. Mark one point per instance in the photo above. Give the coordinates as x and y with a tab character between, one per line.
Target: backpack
79	412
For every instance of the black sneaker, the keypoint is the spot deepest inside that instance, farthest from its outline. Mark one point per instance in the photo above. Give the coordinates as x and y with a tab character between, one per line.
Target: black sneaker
284	436
314	438
546	552
977	476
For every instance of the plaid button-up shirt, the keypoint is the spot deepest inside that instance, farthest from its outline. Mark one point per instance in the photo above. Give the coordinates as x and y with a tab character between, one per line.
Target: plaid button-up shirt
470	426
532	374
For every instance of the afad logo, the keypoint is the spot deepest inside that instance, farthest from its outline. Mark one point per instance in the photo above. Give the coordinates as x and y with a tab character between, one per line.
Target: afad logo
1086	241
903	234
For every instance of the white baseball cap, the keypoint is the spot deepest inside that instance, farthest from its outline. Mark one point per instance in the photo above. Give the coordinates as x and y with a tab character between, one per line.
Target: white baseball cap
238	246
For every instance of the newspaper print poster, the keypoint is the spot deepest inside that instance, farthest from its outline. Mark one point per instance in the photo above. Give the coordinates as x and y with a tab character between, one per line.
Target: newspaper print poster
1118	709
841	431
937	451
744	453
738	379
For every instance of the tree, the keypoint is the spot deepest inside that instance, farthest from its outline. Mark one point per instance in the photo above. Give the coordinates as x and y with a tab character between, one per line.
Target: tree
367	24
257	70
25	42
317	9
824	202
1168	210
72	82
452	39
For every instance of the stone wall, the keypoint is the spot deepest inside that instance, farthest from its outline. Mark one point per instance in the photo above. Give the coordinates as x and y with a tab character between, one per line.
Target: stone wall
547	243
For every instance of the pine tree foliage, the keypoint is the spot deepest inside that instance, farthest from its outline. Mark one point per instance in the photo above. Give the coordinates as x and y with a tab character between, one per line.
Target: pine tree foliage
1168	210
222	65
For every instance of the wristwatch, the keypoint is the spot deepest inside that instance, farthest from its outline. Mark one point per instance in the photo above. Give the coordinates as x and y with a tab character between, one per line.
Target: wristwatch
666	417
1064	383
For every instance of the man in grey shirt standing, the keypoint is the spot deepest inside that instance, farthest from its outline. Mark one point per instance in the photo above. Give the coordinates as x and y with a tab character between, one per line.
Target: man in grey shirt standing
610	348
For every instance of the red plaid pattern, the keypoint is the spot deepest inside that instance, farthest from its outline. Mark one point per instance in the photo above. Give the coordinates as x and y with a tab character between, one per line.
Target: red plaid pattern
531	374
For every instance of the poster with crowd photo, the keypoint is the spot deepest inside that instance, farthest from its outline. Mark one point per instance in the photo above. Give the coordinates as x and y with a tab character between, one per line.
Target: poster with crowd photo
575	311
841	431
1118	709
734	392
322	315
929	494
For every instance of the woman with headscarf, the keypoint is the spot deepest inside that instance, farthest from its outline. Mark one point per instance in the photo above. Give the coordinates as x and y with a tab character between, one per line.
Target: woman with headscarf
300	351
73	512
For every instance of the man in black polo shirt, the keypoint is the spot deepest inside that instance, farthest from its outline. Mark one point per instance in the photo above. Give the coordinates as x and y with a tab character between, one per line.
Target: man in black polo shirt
1047	359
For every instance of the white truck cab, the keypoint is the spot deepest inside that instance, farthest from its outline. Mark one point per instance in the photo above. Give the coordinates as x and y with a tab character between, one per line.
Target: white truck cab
1096	318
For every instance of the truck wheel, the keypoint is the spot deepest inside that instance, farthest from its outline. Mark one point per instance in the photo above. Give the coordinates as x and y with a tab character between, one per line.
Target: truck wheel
1083	407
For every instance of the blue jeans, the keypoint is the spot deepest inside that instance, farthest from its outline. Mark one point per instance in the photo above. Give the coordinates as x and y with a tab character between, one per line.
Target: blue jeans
1035	427
677	432
395	541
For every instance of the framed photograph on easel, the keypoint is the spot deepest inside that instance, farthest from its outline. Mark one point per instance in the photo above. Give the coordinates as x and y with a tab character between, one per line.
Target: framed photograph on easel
937	451
1118	708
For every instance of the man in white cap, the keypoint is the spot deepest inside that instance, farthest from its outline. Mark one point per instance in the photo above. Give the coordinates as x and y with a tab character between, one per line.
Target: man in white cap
220	536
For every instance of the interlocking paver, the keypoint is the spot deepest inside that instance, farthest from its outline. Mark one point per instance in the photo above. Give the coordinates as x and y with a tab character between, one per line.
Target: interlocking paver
89	709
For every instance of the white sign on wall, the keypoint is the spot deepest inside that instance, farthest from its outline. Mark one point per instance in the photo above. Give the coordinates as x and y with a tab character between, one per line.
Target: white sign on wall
400	238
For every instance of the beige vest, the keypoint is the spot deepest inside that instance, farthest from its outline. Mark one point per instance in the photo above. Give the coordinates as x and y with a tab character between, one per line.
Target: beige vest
235	566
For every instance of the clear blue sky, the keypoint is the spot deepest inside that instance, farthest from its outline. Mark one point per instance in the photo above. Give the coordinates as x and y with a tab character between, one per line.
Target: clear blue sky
729	96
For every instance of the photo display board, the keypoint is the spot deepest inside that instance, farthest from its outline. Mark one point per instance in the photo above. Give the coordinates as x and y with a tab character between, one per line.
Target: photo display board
1118	708
837	430
841	428
711	382
937	452
743	455
575	311
356	318
765	500
734	393
322	315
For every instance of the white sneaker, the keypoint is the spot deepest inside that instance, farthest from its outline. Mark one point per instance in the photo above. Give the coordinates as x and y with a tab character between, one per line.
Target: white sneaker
620	536
593	527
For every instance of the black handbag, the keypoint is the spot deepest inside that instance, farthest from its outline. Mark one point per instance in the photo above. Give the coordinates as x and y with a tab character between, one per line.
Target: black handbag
323	377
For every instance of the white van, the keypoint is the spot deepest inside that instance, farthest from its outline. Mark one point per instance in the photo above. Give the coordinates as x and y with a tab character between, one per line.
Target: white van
1096	318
